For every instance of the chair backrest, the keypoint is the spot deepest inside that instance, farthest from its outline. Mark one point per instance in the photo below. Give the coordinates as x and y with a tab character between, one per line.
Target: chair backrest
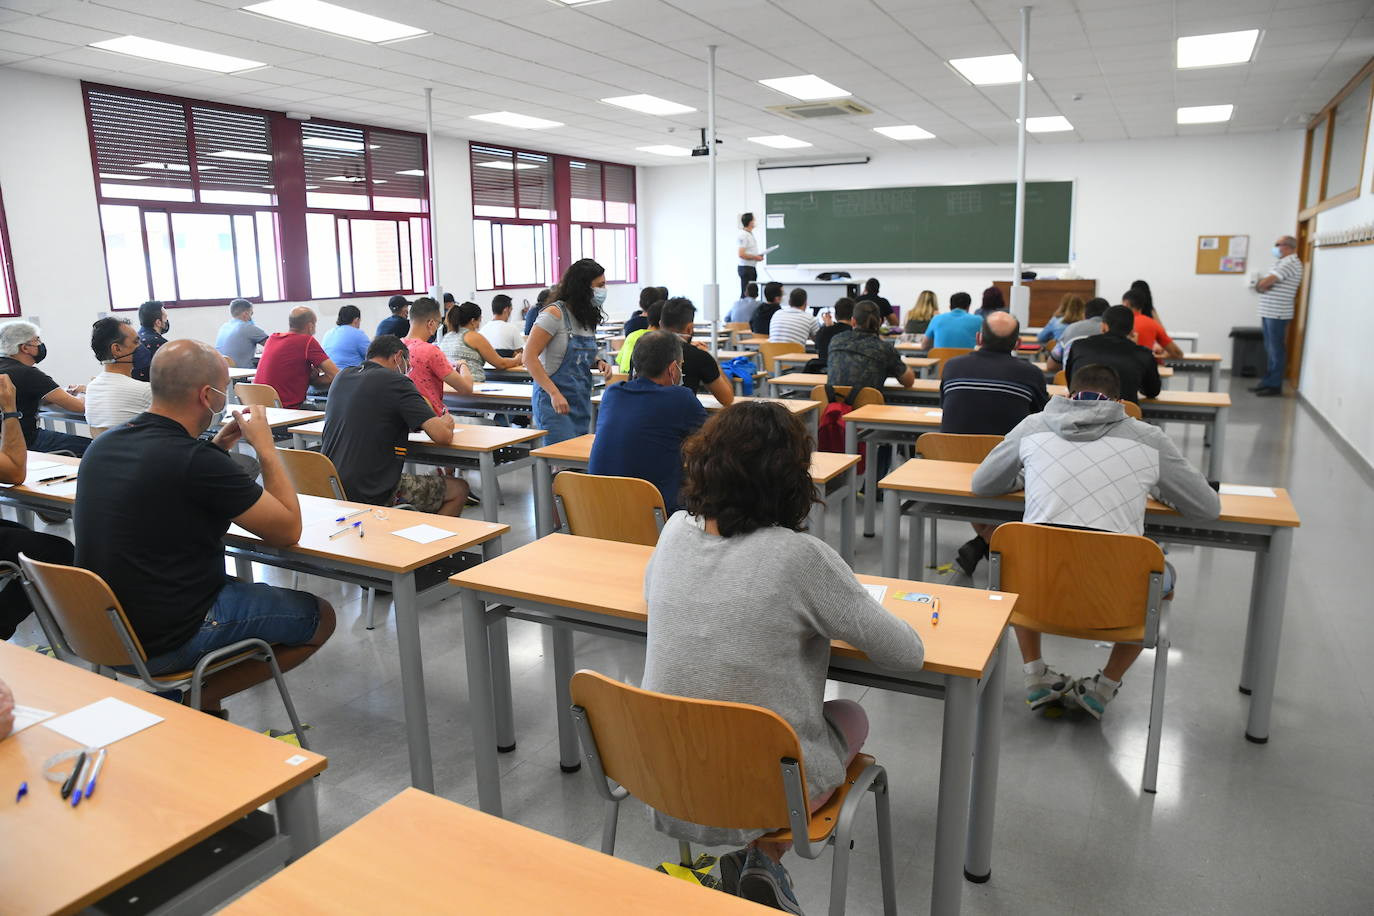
312	473
1061	378
704	761
97	430
1132	409
616	378
956	447
770	351
79	602
866	396
944	355
1075	579
251	394
734	326
623	509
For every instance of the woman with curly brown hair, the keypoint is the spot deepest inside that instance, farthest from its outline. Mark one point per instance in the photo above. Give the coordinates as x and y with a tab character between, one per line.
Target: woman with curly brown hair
743	607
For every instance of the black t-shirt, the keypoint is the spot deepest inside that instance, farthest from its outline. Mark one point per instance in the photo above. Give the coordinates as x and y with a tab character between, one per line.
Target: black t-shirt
988	393
1134	365
884	307
823	336
369	415
31	385
762	316
636	322
699	368
152	506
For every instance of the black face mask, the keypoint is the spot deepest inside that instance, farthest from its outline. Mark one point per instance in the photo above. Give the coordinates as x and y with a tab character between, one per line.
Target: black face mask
42	353
166	327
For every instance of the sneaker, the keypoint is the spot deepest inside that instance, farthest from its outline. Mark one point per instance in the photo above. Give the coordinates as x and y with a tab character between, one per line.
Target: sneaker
971	554
731	867
1044	689
1092	696
765	881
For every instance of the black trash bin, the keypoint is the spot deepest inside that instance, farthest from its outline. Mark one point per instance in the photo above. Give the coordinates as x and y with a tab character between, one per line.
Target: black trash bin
1247	352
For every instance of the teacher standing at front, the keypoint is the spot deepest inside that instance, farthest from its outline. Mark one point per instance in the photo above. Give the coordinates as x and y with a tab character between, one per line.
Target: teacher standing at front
748	252
1278	290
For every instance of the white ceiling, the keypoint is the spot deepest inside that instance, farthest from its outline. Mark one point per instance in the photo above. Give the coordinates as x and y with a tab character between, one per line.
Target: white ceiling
1108	65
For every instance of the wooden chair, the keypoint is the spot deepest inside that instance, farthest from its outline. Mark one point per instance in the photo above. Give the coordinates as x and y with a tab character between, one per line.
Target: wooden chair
944	354
78	607
725	765
955	447
624	509
312	473
735	329
616	378
254	395
1119	600
1132	409
769	351
1061	378
866	396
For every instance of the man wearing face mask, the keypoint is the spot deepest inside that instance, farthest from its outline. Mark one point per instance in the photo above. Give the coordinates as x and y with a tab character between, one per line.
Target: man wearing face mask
642	422
152	505
153	323
372	409
21	348
115	396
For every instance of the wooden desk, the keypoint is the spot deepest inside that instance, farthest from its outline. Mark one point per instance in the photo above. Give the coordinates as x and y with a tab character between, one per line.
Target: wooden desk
799	384
379	559
923	366
1198	364
161	791
1265	525
835	476
427	855
509	398
567	582
1045	295
32	494
1208	408
809	411
480	445
282	418
877	424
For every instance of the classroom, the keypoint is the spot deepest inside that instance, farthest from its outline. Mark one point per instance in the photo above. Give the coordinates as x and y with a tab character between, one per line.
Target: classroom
502	457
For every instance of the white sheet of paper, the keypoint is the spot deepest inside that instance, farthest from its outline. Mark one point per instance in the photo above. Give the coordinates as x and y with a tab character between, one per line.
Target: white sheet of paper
1238	246
877	591
50	473
1236	489
44	465
324	513
935	413
102	722
424	534
775	221
60	489
24	716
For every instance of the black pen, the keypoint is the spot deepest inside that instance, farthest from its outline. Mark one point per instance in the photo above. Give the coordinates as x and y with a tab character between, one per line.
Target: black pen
71	780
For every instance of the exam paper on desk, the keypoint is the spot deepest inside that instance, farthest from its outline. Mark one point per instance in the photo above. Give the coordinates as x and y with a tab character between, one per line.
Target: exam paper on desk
102	722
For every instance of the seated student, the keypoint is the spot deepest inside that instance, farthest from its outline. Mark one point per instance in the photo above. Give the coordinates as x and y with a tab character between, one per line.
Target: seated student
843	324
1149	333
794	324
238	338
346	343
625	354
1085	464
642	422
955	328
21	348
115	396
921	314
464	343
639	321
745	306
372	409
152	504
700	371
503	336
429	368
1070	310
152	324
992	302
736	566
532	313
14	537
862	358
1091	324
398	322
772	303
885	310
1133	364
293	362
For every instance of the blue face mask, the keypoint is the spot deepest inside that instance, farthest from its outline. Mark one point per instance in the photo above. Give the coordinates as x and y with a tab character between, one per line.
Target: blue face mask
599	296
1278	252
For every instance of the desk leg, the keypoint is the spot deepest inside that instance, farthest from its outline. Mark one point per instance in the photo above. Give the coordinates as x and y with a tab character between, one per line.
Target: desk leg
815	519
298	817
1214	464
1214	380
847	514
915	538
564	664
892	532
1268	631
481	708
1247	664
952	808
413	681
987	749
501	689
543	497
491	489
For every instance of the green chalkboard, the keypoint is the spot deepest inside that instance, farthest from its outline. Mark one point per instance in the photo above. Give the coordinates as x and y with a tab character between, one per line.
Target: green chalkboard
940	224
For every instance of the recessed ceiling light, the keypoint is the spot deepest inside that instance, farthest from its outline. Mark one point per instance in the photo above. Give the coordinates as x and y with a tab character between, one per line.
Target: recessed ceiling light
1217	50
779	141
994	70
110	177
808	88
665	149
418	173
340	20
511	119
148	49
905	132
649	104
1047	125
1205	114
506	166
241	154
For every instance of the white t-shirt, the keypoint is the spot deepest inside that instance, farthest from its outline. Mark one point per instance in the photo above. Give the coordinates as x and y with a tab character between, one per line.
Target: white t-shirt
750	246
113	399
503	335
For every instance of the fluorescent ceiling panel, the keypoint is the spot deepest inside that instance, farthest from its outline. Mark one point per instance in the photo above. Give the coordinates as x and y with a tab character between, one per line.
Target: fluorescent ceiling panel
146	48
1220	49
1205	114
511	119
808	88
1047	125
994	70
905	132
649	104
340	20
665	149
779	141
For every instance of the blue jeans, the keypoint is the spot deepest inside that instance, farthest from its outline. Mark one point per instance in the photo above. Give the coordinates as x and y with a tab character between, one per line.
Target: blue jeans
243	611
1275	342
49	441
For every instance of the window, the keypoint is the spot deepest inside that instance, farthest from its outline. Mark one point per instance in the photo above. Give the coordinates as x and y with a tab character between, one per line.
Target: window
535	213
9	293
187	199
1336	140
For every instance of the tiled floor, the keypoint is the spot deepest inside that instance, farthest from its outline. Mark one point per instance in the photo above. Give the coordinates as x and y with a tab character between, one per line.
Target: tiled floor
1235	828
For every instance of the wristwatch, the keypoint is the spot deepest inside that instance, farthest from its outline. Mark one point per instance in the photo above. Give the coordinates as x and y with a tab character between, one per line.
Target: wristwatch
11	415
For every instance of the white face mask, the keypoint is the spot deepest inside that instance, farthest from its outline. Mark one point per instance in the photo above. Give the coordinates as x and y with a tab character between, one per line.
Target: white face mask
217	416
599	296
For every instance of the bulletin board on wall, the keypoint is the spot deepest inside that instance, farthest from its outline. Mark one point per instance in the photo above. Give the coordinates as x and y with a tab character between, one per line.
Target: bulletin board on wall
1222	254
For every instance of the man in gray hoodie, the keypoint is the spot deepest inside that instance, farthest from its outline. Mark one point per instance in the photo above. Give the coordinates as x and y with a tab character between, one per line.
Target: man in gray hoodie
1083	463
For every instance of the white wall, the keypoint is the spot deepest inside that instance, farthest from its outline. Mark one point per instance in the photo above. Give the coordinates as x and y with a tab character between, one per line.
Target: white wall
1139	207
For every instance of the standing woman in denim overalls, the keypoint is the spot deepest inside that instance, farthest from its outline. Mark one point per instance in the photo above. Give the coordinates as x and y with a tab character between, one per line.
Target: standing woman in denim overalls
561	353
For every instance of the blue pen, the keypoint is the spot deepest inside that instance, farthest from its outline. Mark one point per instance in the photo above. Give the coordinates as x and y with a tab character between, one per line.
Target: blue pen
346	529
95	771
23	790
344	518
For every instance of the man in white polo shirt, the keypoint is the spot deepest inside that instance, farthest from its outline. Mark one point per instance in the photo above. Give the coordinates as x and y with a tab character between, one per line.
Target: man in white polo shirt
793	324
115	397
1277	291
748	252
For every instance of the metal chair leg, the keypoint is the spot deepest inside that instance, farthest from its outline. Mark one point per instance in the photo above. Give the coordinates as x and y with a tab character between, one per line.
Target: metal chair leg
1156	715
883	804
286	700
608	826
684	853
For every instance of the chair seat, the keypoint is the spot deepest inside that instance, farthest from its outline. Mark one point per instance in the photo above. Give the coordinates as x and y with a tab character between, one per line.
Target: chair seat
1107	634
827	816
173	676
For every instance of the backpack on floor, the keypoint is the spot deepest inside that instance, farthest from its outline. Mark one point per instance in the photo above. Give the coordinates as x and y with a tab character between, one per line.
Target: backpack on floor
830	429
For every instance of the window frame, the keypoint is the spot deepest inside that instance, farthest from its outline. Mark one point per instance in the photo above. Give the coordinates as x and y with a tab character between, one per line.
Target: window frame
1327	117
10	307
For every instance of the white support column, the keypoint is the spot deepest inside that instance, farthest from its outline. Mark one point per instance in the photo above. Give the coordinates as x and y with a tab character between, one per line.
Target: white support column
711	295
1020	295
436	289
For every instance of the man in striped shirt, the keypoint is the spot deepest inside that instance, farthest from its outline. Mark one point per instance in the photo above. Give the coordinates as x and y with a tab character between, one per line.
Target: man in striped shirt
793	324
1277	292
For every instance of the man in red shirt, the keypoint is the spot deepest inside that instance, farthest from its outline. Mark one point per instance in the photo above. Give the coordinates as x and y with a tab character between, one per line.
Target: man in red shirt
429	367
1148	331
294	361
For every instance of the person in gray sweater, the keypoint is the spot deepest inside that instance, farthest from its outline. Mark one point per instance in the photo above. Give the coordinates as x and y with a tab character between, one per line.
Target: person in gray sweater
1083	463
743	607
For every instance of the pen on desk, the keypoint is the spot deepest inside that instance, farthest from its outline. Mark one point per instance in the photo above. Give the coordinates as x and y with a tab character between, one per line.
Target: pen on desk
935	613
95	771
346	529
68	479
23	790
360	529
344	518
71	780
83	779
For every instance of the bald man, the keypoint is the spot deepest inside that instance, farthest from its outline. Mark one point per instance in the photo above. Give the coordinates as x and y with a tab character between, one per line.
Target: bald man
988	392
294	361
152	505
